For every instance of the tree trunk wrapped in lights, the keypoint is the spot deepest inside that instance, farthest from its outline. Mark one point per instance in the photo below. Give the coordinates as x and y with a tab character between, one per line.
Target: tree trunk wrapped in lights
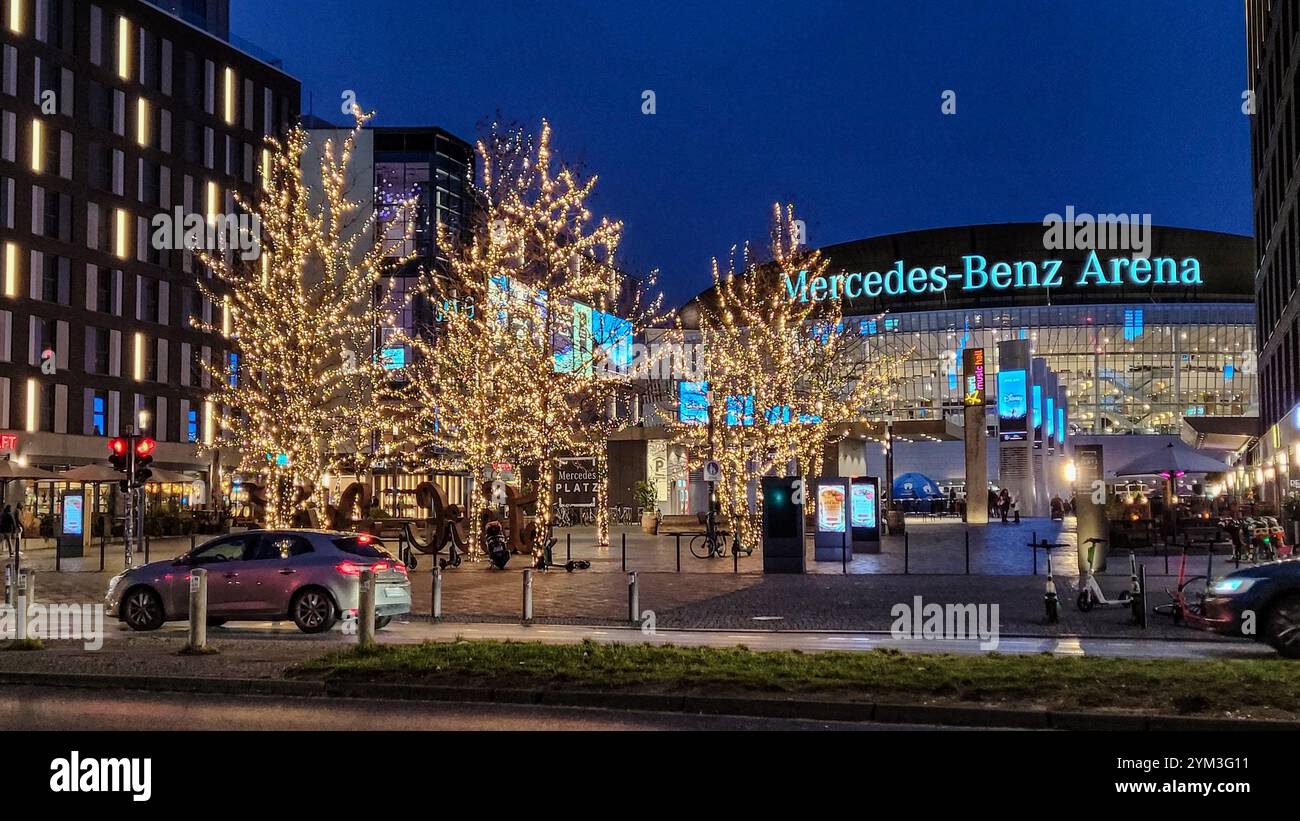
784	375
295	399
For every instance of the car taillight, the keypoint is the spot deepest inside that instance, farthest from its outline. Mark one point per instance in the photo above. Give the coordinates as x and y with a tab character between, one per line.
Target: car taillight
400	568
379	567
349	568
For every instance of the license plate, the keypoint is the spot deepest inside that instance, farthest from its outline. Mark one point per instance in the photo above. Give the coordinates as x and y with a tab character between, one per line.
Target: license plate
394	591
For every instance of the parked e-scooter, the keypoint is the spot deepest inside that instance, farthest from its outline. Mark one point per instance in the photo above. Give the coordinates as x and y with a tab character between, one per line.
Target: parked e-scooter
1091	594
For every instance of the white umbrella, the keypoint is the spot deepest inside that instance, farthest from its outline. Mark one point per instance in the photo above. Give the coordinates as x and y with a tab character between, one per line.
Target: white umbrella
10	471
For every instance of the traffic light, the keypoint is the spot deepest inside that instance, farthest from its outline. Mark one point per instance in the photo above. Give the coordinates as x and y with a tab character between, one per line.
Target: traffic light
118	453
143	458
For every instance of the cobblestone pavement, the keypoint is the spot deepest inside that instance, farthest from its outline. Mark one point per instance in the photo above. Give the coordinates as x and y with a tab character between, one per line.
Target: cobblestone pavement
707	594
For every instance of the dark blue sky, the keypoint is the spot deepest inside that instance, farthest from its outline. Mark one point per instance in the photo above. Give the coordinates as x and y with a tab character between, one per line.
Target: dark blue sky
1107	105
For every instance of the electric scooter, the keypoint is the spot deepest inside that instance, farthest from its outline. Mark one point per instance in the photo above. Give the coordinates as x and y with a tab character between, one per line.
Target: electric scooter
1090	592
1051	602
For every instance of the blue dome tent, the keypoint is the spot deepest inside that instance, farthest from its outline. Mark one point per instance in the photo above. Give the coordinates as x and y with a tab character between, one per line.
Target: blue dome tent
915	486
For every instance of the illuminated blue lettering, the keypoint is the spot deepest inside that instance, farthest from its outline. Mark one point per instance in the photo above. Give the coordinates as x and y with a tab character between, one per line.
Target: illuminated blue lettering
972	269
799	291
894	279
1092	268
817	290
871	283
938	278
849	290
1026	282
1140	271
917	279
1052	272
1000	275
1191	272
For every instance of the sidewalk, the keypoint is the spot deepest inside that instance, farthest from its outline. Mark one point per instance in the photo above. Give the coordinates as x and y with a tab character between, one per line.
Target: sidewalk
707	595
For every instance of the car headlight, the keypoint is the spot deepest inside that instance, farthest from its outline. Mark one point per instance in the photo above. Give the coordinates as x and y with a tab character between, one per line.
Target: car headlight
112	583
1233	586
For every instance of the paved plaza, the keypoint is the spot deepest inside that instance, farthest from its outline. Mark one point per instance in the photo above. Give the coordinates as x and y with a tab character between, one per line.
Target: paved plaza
709	594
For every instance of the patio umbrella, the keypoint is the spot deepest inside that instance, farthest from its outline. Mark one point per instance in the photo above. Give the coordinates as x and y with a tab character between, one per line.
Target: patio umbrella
1174	458
98	473
170	477
916	486
10	470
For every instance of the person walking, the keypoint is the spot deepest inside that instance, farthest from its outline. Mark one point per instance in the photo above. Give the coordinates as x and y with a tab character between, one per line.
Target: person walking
1004	504
9	528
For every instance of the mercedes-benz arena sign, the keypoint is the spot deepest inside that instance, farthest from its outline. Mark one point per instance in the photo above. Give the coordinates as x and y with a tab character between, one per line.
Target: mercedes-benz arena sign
1016	264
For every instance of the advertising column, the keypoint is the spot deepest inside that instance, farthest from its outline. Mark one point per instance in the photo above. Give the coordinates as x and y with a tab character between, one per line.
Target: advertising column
1090	501
831	538
1014	433
1036	506
976	442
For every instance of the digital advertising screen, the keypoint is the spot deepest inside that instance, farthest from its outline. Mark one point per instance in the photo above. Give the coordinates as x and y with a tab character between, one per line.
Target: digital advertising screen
831	513
693	403
1036	413
972	367
1013	405
73	514
864	505
740	410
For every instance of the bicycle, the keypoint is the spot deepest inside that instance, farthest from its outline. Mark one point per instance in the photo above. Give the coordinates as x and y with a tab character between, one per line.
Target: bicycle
714	545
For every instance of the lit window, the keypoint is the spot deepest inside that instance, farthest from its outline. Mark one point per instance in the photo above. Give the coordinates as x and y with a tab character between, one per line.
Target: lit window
142	122
11	270
138	369
119	233
33	395
229	95
123	48
16	16
38	146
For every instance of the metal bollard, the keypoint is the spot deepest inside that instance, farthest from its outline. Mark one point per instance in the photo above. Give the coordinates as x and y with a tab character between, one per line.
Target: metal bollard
366	610
844	553
528	594
907	552
633	598
437	592
21	599
198	609
568	546
968	553
624	551
9	583
678	536
146	548
192	543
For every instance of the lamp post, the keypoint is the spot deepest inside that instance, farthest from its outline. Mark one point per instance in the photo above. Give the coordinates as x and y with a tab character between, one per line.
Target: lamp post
889	459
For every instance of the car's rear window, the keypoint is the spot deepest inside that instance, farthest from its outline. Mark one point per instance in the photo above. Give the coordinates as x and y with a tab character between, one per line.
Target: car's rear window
367	547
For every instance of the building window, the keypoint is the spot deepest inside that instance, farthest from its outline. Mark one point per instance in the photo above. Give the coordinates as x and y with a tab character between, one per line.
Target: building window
46	418
99	413
105	290
100	342
192	426
149	300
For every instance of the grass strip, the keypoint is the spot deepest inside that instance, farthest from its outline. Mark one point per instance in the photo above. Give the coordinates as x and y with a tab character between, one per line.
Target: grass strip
1265	687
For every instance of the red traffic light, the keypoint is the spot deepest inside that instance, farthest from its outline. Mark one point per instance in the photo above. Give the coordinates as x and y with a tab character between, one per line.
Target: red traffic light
144	446
117	446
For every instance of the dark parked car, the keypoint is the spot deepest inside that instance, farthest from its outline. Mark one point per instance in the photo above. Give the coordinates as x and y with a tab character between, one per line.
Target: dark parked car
1260	602
309	576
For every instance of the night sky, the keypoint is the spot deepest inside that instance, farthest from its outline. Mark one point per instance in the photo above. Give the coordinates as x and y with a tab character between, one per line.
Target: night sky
1107	105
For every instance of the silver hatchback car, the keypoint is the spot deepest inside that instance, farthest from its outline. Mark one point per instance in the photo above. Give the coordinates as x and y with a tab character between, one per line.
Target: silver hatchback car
310	576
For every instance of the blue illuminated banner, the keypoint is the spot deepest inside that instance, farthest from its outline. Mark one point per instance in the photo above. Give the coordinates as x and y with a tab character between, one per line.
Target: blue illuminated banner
1037	407
1060	425
740	410
978	273
1051	418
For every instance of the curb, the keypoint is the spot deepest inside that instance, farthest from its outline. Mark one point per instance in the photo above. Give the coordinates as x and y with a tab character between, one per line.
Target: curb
806	709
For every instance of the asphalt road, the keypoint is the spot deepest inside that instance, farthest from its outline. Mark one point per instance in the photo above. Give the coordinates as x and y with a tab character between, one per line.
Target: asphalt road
417	631
31	708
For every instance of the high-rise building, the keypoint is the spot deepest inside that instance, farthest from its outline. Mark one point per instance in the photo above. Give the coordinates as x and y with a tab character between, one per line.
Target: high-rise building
1273	73
114	114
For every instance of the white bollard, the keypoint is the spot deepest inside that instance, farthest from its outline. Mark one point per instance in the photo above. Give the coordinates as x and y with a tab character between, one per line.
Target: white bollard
198	609
20	606
633	597
528	594
366	609
437	592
